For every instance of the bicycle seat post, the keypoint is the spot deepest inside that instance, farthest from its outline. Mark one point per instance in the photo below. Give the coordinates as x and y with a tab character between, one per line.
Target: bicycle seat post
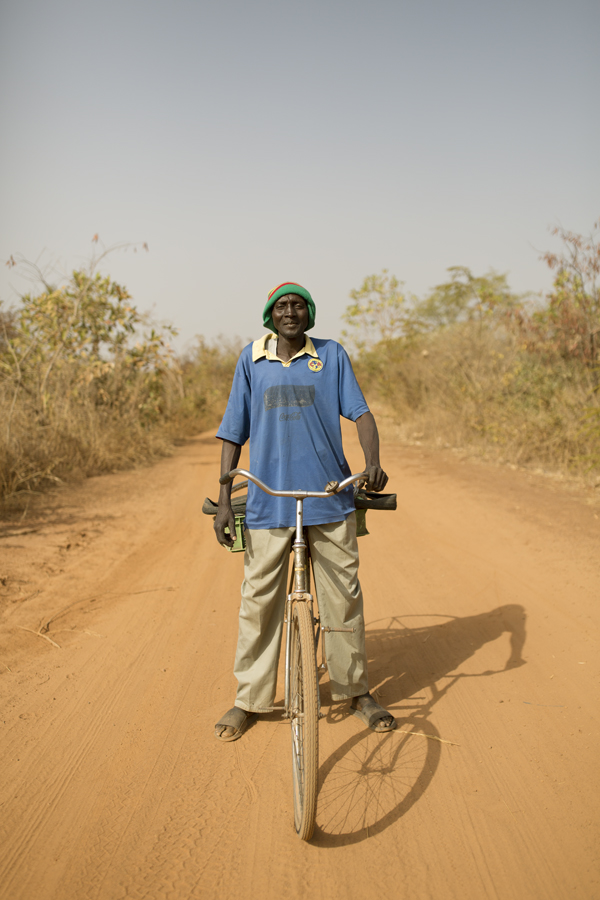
299	548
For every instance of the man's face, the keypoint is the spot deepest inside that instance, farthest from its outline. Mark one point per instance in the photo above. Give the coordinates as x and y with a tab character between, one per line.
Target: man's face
290	316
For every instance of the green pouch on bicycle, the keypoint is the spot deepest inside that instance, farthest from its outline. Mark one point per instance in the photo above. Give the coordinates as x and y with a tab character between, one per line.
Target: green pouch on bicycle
240	538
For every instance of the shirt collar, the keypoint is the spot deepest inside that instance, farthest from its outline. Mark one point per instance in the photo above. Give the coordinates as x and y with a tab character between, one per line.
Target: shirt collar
266	346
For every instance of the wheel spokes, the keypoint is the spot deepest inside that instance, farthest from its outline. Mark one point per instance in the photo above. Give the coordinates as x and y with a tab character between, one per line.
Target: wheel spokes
304	720
297	719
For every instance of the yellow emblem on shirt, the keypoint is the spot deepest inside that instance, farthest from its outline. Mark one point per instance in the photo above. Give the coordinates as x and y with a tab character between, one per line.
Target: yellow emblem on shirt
315	365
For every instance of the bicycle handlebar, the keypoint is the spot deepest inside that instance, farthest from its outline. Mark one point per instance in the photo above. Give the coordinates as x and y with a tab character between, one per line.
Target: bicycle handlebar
334	486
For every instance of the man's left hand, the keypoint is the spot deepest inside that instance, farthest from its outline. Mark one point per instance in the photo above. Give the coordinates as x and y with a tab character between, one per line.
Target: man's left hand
377	479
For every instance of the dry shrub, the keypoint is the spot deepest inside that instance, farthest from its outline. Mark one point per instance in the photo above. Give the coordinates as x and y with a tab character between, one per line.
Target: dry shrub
476	386
89	385
76	439
474	365
205	377
89	429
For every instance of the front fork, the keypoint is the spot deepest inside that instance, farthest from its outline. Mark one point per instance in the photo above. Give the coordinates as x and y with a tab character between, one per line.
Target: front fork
296	597
300	594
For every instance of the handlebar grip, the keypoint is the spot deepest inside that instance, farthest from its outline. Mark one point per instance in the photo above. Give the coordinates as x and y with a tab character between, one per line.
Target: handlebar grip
225	479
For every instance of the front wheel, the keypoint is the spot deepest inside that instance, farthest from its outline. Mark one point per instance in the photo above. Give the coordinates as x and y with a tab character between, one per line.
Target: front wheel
304	717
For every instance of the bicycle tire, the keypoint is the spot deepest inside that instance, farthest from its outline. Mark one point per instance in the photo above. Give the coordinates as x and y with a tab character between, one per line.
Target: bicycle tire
304	721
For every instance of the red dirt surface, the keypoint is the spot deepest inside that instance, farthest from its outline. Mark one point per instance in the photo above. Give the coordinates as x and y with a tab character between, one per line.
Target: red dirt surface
482	596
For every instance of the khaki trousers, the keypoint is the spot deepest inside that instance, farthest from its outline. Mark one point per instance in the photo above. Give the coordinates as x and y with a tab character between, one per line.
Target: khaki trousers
335	559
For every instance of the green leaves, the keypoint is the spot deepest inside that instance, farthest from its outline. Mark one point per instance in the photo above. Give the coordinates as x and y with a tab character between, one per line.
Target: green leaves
86	335
84	318
463	298
378	312
382	312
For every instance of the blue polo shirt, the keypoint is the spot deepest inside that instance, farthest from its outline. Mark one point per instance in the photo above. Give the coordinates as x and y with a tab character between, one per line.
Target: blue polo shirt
291	415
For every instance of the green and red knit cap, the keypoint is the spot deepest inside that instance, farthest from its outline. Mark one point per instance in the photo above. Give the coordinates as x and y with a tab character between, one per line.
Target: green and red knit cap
288	287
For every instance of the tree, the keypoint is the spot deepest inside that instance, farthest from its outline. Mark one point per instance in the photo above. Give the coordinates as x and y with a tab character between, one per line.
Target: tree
571	321
382	312
86	334
378	312
463	298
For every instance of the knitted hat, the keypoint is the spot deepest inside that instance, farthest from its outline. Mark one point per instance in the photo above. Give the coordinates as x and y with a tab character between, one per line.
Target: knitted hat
288	287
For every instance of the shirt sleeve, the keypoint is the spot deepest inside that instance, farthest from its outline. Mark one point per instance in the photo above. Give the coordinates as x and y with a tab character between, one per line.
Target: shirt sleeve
235	426
352	402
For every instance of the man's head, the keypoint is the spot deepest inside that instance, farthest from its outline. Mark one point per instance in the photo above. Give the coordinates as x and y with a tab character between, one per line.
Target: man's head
290	316
290	310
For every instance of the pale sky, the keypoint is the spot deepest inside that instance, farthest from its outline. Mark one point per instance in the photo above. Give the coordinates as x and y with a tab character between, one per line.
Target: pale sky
250	143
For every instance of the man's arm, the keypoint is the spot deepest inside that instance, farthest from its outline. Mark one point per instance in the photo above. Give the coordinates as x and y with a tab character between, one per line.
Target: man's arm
369	441
230	455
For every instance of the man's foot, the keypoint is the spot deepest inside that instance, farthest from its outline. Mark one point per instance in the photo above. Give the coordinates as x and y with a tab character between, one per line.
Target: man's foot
233	724
372	714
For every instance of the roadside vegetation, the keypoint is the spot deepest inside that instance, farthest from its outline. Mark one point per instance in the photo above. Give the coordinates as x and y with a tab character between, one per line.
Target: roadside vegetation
473	365
89	385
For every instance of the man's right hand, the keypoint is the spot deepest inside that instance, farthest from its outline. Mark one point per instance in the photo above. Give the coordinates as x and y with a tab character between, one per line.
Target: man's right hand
225	517
230	455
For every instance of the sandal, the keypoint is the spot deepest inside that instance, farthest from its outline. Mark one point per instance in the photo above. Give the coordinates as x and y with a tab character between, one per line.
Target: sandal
234	718
372	714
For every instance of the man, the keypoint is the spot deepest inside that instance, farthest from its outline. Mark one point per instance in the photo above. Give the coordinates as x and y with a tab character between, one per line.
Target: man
287	397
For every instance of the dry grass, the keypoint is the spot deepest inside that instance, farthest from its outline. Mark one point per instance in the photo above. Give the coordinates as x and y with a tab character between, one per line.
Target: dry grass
126	418
477	387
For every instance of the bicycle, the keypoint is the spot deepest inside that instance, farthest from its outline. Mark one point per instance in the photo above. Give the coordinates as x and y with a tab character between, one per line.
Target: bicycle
302	703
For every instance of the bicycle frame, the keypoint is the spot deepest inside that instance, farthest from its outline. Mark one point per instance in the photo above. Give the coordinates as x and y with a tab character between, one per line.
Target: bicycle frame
300	593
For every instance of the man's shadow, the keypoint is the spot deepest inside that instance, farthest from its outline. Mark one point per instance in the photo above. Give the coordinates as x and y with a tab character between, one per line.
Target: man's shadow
372	780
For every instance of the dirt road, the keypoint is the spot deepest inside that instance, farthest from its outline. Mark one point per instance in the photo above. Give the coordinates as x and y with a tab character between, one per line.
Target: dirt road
482	596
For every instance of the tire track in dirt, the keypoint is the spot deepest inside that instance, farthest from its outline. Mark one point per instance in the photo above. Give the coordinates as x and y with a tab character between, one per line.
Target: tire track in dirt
202	820
135	795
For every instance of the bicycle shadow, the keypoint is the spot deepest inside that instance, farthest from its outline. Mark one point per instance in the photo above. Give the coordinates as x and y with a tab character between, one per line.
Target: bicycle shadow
372	780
